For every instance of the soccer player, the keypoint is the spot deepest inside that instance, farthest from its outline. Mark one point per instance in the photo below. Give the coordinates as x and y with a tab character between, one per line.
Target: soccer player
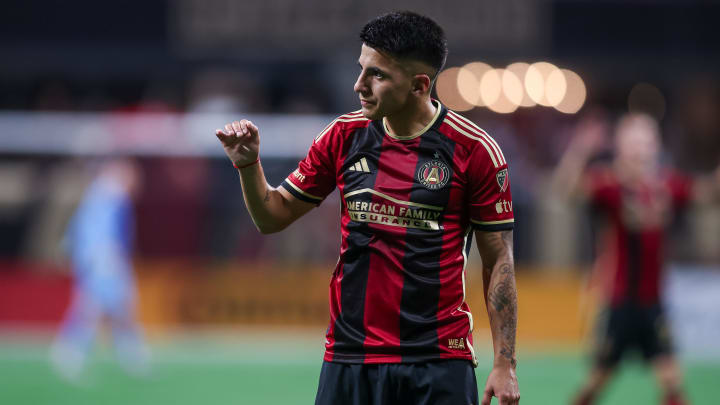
100	239
416	182
637	198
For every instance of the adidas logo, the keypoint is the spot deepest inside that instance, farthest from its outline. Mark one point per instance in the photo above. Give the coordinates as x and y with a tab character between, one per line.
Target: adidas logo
360	166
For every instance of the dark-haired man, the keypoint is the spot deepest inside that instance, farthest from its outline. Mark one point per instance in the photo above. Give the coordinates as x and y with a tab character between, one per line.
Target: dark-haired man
415	180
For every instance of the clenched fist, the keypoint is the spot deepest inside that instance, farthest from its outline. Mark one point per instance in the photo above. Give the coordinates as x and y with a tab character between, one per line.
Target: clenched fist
241	141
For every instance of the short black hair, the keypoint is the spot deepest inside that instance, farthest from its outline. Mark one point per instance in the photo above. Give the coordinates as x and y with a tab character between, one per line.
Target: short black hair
405	34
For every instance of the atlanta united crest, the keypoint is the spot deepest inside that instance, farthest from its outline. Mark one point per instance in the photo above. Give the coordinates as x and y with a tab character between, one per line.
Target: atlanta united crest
434	174
502	179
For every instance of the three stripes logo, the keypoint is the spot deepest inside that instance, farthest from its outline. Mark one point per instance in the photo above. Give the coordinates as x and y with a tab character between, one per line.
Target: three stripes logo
360	166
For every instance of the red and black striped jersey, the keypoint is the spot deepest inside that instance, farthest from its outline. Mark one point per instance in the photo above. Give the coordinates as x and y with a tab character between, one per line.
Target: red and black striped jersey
408	207
635	218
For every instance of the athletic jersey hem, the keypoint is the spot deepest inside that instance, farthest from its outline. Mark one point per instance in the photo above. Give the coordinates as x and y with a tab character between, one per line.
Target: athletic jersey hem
369	358
494	227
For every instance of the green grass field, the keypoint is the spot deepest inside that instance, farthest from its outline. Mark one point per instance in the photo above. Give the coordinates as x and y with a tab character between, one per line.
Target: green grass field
257	368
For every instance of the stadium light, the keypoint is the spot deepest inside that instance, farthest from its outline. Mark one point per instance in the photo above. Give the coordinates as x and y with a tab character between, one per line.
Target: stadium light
447	90
491	90
536	82
555	87
520	84
469	82
513	87
520	69
575	93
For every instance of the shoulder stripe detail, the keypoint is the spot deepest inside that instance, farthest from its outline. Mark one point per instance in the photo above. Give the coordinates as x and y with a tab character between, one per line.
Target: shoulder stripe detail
470	126
342	118
482	141
476	129
460	118
324	131
353	114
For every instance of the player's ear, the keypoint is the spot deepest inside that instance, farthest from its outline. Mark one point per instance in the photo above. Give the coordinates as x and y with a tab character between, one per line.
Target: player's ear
421	84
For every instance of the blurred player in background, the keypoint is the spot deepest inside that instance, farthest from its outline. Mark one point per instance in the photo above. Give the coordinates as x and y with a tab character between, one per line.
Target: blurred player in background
99	239
415	180
637	199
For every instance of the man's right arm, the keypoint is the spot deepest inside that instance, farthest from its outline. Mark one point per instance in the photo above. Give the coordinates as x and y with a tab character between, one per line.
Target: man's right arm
272	209
590	137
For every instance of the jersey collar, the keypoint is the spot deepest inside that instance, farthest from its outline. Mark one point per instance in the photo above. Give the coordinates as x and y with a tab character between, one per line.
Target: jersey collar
422	131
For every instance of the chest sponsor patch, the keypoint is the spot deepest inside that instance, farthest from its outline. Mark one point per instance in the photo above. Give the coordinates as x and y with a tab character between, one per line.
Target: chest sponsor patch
434	174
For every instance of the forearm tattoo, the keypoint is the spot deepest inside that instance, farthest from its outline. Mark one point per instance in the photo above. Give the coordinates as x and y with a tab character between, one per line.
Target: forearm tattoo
502	294
509	355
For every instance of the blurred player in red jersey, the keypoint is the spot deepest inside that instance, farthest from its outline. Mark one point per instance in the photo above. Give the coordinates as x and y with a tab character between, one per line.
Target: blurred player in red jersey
415	181
637	199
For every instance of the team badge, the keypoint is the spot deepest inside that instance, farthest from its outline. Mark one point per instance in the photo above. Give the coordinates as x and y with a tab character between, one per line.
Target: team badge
502	179
434	174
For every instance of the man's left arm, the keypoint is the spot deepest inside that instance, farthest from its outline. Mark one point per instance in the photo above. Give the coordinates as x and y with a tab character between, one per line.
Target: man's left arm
496	251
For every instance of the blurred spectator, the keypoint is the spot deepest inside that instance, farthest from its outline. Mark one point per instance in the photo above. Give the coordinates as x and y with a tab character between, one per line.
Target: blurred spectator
100	238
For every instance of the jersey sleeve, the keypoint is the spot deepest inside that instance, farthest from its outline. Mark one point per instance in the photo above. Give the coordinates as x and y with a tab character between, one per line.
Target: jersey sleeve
491	207
315	176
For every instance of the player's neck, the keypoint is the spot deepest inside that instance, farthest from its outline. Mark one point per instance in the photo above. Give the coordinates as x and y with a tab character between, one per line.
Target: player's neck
412	120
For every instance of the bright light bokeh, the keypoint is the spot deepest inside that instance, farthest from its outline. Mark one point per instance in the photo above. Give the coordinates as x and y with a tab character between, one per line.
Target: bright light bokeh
536	82
574	95
493	94
520	69
447	90
491	87
555	87
513	87
469	81
503	91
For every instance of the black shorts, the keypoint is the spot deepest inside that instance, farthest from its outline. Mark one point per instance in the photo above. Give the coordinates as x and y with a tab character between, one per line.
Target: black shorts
629	327
446	382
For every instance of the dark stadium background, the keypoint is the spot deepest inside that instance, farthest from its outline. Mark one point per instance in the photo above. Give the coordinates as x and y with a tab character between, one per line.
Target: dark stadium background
233	316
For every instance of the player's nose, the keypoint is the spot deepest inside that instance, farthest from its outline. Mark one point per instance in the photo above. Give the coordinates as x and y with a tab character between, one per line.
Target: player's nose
360	86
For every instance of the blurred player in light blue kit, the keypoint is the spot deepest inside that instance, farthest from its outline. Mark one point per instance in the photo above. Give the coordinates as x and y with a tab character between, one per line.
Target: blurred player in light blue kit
99	241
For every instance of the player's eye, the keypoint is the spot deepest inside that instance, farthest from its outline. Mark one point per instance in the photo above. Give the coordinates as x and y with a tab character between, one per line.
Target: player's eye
376	73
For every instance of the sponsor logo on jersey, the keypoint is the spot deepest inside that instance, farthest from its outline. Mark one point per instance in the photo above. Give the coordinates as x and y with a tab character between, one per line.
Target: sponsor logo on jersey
503	206
502	179
393	215
299	176
360	166
456	344
434	174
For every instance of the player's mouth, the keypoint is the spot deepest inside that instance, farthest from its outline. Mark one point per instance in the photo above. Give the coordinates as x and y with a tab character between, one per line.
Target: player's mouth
366	103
